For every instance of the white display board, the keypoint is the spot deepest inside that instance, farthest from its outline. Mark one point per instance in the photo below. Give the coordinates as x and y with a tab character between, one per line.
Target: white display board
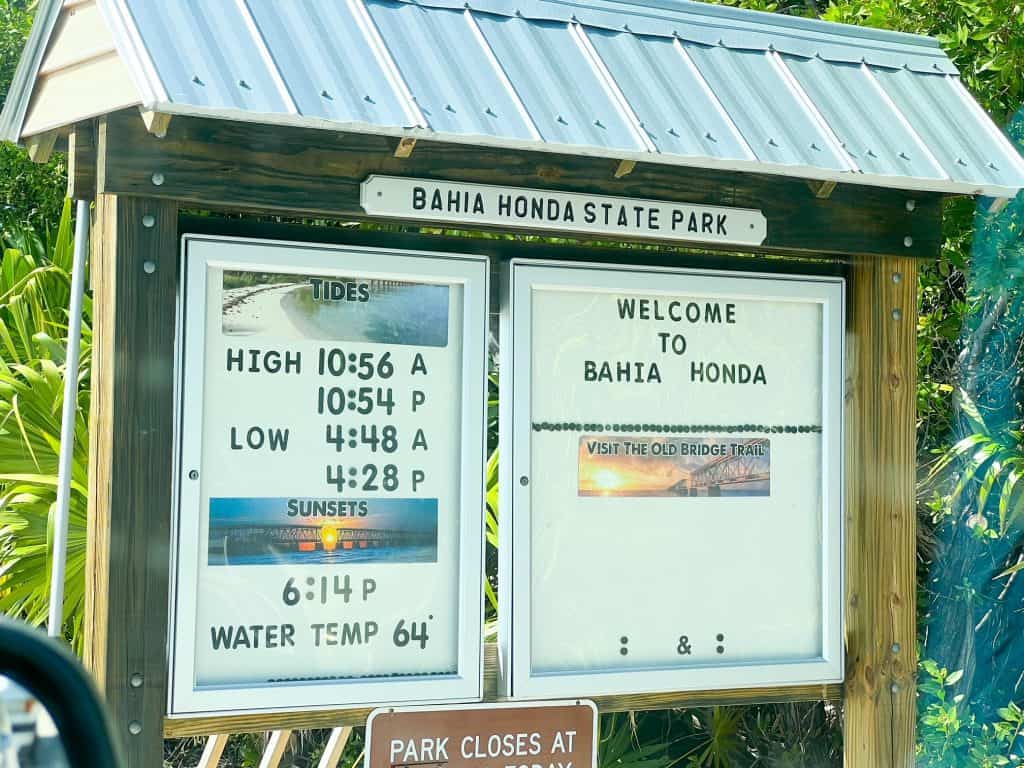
328	541
672	480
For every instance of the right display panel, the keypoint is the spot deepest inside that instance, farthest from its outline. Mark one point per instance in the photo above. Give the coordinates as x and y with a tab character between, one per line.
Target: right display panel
672	480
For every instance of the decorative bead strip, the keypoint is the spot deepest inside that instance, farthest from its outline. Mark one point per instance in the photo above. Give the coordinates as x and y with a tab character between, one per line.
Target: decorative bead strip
575	426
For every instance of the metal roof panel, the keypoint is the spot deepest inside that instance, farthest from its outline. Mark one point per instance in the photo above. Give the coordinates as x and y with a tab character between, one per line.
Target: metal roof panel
559	88
968	148
871	131
742	29
772	119
675	108
205	54
648	82
447	70
324	61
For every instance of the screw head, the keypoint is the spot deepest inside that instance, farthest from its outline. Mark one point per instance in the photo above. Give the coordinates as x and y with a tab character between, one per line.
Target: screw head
911	204
148	221
136	680
894	688
134	727
193	475
158	179
896	648
897	277
524	480
149	267
908	241
897	314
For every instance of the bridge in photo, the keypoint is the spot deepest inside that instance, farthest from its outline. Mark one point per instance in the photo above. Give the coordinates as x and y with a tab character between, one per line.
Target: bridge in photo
722	471
261	537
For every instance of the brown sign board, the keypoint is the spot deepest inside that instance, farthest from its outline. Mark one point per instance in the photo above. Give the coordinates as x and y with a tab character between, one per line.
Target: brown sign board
555	734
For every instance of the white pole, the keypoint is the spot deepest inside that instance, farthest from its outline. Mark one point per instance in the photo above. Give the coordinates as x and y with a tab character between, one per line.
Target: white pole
67	422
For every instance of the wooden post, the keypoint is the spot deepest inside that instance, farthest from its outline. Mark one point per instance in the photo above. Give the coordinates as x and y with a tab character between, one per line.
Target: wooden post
134	260
881	520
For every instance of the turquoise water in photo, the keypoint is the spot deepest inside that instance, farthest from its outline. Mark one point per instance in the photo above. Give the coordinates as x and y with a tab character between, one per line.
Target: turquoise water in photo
403	313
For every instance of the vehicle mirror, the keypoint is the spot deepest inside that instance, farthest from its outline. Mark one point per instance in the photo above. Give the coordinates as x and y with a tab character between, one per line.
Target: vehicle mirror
50	713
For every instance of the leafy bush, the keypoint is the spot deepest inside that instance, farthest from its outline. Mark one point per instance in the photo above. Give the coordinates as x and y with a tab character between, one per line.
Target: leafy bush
950	735
34	293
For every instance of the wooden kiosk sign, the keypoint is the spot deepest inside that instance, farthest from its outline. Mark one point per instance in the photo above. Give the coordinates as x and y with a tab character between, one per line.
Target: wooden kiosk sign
688	240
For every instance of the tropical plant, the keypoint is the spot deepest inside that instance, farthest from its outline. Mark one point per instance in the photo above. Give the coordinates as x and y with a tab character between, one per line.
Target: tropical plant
951	735
34	292
989	462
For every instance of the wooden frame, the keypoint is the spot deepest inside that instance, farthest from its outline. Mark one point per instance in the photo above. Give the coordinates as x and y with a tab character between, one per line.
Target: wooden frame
235	167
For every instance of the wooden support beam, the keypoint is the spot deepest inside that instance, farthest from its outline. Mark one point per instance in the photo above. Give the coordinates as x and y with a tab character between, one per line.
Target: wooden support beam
156	122
881	634
82	162
130	459
213	750
405	147
335	746
624	168
276	745
822	189
40	146
305	172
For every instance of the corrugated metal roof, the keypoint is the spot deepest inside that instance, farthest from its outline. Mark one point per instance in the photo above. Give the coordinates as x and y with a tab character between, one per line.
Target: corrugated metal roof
670	81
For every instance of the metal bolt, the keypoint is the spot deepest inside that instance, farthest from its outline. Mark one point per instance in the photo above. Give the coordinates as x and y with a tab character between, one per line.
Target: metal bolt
193	475
895	687
897	277
896	648
908	241
148	221
134	727
158	179
911	204
524	480
136	681
149	267
897	314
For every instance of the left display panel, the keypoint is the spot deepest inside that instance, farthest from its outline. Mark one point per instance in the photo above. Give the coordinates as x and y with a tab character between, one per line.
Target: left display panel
327	547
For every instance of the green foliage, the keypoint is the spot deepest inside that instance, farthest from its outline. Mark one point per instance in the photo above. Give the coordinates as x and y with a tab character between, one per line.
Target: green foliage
30	193
990	463
950	735
34	292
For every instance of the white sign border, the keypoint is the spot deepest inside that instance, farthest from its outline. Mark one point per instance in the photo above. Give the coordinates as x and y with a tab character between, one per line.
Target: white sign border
472	271
520	276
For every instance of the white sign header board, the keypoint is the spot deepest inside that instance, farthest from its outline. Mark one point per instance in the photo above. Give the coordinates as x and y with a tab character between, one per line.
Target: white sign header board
672	459
568	212
329	530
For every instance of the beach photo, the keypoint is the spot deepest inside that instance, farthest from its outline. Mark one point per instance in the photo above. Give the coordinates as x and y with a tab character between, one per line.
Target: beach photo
311	531
674	466
334	308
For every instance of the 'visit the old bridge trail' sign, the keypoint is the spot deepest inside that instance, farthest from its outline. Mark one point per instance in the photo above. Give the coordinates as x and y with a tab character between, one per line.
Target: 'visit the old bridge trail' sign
568	212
